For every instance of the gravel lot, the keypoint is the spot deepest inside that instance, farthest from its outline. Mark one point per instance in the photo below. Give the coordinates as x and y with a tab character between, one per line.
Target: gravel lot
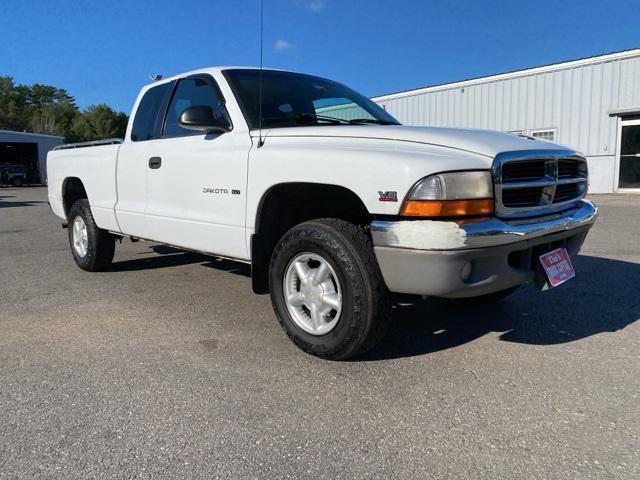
168	367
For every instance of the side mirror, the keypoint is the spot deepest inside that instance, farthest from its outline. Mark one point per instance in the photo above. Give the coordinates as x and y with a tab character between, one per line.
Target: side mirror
202	117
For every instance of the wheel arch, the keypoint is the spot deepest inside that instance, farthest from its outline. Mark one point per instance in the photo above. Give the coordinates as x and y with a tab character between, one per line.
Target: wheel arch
73	189
287	204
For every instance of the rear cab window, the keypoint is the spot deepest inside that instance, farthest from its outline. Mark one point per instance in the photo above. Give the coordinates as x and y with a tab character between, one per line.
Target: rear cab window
150	113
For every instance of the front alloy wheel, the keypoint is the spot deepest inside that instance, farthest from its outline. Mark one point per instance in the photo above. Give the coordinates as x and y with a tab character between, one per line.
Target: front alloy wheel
312	293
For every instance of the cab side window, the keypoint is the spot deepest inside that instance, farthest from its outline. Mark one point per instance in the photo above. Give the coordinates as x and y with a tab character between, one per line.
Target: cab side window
191	92
148	119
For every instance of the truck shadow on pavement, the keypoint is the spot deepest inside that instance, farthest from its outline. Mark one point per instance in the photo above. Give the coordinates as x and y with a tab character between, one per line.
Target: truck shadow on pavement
173	257
602	298
17	203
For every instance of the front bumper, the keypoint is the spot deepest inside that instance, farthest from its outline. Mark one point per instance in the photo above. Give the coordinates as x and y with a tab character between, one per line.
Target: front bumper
472	258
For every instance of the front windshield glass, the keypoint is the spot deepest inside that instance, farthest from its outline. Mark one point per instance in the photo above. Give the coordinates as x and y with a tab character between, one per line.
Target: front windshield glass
294	100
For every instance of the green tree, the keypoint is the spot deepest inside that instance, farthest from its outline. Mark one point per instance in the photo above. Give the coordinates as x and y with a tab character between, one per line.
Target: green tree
39	96
47	109
99	122
12	105
55	119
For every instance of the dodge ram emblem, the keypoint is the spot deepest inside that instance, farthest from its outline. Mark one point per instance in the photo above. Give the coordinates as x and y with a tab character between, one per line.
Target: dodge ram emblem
388	196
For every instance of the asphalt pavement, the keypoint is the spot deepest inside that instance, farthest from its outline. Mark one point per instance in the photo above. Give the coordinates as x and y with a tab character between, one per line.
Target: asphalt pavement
167	366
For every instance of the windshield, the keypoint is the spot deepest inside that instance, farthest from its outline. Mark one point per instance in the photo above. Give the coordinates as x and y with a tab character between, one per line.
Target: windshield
294	100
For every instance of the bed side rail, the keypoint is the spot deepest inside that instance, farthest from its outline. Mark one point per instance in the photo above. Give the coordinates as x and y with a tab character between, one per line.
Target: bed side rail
96	143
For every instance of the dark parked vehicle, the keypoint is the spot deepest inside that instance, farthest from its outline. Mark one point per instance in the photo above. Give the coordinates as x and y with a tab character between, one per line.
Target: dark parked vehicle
15	175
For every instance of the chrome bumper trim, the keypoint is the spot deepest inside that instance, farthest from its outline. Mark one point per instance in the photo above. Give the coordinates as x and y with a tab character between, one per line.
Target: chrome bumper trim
448	235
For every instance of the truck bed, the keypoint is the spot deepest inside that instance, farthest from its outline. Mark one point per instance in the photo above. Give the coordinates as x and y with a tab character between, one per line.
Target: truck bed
95	163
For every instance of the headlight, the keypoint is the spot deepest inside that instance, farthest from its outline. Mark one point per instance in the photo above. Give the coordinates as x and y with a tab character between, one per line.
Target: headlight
451	195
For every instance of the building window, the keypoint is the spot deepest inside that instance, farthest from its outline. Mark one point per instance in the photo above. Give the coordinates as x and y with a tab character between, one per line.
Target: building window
548	134
516	132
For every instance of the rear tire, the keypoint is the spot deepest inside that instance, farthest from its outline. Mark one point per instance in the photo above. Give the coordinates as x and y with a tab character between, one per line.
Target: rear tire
328	266
92	248
17	182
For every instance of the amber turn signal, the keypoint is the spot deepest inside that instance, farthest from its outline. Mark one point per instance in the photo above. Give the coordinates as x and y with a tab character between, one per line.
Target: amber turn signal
447	208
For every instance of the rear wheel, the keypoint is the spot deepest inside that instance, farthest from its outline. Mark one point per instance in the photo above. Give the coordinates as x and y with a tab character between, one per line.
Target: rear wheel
17	182
92	247
327	290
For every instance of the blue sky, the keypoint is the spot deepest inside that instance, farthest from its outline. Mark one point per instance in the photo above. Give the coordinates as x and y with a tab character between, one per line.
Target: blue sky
103	51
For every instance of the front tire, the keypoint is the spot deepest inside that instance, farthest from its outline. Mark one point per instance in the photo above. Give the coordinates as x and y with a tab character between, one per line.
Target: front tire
327	290
92	247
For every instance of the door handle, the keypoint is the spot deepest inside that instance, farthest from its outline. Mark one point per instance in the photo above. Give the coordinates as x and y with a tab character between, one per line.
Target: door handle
155	162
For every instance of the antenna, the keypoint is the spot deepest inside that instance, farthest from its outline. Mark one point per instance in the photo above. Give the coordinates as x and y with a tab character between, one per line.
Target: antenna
155	77
260	139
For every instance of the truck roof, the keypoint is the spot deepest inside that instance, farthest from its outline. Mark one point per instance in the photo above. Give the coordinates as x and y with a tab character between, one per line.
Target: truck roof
210	70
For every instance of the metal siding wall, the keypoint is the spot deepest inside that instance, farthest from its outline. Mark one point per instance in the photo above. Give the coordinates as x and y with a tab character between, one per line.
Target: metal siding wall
575	101
629	83
346	112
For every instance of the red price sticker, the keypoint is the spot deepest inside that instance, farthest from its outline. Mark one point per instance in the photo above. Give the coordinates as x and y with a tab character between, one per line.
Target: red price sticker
557	266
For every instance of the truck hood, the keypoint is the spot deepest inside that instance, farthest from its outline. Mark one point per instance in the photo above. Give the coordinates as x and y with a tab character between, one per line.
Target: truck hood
483	142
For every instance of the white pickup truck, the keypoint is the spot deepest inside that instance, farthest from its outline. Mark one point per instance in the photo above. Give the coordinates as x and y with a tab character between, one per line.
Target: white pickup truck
333	203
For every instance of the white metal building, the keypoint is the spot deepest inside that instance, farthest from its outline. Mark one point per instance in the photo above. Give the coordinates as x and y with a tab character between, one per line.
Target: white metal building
28	149
591	105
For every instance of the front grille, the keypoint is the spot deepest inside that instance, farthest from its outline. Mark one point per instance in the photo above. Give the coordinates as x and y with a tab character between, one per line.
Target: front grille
568	168
525	170
536	183
566	192
522	197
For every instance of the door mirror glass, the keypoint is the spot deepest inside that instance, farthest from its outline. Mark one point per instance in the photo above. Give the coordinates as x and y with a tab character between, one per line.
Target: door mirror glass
203	118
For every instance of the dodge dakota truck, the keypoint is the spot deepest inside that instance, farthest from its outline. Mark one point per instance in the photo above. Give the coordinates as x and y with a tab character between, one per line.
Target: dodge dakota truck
333	203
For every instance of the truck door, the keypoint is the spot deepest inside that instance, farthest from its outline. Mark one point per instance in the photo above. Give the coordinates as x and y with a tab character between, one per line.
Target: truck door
196	191
133	159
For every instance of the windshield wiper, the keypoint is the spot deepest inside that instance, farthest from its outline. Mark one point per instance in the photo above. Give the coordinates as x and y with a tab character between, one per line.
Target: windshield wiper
375	121
324	117
307	117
